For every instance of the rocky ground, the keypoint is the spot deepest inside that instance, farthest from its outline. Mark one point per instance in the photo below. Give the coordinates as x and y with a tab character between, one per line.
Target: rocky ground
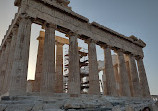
65	102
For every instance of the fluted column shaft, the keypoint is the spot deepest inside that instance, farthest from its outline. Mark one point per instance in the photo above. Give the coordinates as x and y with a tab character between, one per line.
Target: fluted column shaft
20	61
134	77
10	60
104	83
48	66
125	89
74	83
109	73
2	57
0	53
59	68
38	73
5	63
1	63
143	78
129	75
94	86
117	78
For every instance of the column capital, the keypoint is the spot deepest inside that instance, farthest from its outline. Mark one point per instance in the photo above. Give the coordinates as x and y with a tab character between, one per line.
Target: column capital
51	25
129	54
104	46
138	57
40	38
24	17
117	50
72	33
8	41
58	43
15	30
90	41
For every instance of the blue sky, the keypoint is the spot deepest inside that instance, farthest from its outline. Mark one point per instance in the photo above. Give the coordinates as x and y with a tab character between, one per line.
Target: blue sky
128	17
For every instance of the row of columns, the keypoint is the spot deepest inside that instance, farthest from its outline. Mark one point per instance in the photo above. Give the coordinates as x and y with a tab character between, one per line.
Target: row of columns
130	83
14	67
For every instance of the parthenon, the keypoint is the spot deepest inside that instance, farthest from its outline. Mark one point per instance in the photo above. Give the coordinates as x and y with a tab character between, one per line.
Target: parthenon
125	78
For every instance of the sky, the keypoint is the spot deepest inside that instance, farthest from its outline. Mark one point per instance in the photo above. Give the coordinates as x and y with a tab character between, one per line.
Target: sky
128	17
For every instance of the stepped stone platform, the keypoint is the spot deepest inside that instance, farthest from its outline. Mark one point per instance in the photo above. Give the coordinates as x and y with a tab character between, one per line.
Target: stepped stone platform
66	102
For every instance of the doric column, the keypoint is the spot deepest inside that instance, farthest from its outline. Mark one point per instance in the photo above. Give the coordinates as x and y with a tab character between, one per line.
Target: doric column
59	68
134	77
104	83
21	57
48	65
0	53
5	63
125	89
143	78
117	78
1	63
94	86
109	73
10	60
74	83
38	73
129	75
2	56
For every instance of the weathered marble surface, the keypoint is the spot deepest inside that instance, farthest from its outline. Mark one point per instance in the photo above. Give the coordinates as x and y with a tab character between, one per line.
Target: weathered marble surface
70	20
109	73
74	71
18	80
47	85
125	87
63	102
38	73
143	78
94	86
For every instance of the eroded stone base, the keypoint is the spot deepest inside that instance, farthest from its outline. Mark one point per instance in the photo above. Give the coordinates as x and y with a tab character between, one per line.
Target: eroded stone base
65	102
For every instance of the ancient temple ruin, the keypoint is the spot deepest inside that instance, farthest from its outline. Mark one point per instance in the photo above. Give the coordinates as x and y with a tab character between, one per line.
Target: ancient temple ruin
125	78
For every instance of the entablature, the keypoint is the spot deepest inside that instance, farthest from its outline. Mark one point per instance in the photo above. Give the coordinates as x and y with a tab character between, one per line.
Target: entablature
67	20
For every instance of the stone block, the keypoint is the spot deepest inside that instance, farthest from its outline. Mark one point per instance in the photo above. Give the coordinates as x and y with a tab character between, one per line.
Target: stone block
116	108
53	110
19	107
3	107
129	108
155	107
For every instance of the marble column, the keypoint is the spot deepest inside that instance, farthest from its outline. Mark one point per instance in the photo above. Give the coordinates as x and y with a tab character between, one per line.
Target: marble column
2	56
134	77
74	83
109	73
129	75
1	63
10	60
5	63
48	65
59	68
125	89
94	86
38	73
117	78
104	83
20	61
0	53
143	78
